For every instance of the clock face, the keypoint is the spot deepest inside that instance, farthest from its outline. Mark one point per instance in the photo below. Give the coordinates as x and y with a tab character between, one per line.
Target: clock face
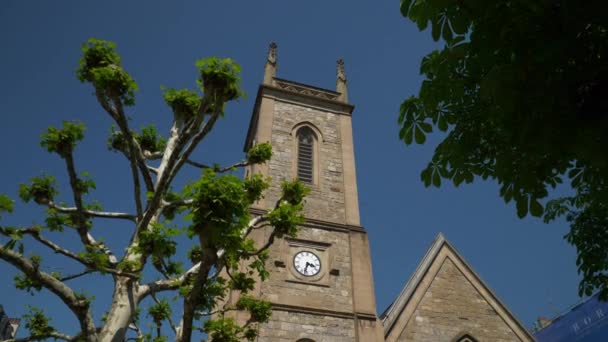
307	263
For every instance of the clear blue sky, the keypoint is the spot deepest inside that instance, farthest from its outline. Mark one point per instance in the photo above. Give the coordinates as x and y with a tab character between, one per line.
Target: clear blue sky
527	263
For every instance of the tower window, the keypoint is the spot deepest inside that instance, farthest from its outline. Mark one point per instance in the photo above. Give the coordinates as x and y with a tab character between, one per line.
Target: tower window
306	150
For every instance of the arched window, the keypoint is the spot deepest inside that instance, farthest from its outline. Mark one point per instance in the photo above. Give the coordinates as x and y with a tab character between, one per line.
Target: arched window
305	340
306	158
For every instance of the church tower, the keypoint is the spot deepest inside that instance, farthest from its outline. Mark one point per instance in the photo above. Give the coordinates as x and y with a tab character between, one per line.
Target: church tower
321	284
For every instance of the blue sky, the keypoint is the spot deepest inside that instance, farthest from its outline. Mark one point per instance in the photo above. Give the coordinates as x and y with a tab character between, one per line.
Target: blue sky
527	263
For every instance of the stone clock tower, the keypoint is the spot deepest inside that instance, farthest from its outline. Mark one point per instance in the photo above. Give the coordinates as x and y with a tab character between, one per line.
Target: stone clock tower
320	286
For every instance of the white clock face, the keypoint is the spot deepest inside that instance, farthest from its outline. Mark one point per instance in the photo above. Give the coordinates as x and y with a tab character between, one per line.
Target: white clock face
307	263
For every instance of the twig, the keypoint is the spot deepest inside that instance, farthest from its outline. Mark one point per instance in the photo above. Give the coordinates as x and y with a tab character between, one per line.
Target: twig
93	213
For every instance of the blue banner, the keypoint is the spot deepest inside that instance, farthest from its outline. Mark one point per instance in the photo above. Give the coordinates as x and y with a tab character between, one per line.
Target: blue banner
586	322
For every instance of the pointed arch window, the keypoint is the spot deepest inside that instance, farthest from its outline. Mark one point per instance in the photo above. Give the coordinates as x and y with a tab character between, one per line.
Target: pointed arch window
466	338
306	155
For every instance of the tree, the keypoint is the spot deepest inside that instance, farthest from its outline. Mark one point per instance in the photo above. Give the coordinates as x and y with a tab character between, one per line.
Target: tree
223	257
521	90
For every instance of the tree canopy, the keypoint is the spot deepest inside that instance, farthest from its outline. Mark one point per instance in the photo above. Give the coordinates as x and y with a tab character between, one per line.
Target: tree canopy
158	270
520	89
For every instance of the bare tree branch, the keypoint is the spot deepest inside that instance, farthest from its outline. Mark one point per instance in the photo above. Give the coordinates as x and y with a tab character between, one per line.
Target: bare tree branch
166	284
55	335
192	299
35	233
77	275
93	213
218	169
79	306
134	149
171	323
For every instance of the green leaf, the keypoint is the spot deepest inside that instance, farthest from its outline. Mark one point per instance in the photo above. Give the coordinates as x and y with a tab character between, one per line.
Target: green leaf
404	7
6	204
436	29
426	176
426	127
408	135
446	31
419	135
522	205
536	209
436	179
459	23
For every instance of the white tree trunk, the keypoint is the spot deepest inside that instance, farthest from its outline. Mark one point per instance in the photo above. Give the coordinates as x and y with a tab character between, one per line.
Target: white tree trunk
124	305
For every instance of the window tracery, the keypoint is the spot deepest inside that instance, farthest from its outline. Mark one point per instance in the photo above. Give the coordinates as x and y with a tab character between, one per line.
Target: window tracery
306	140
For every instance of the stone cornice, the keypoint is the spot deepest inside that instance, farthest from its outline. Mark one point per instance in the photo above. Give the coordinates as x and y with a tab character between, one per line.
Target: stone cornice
320	224
306	89
298	93
322	312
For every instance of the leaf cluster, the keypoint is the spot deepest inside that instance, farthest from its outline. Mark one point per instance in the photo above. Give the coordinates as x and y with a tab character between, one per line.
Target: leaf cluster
219	79
185	103
519	91
259	153
227	330
63	140
149	140
37	323
41	189
100	65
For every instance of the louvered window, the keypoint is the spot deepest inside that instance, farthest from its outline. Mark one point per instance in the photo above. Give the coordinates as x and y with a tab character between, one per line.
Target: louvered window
306	145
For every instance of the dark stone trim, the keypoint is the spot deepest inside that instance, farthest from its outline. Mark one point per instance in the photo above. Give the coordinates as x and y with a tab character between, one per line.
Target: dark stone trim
333	92
264	89
321	312
320	224
336	106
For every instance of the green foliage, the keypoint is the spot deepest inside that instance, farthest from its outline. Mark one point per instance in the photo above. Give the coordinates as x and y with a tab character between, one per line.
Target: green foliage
63	140
6	204
95	256
41	189
286	218
226	330
216	208
520	90
149	140
37	323
219	79
220	209
213	291
100	65
185	103
294	192
255	186
259	153
259	310
160	311
158	243
23	282
84	184
240	281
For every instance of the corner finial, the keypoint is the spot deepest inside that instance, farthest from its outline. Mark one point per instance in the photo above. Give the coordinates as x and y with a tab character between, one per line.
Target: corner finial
341	81
270	69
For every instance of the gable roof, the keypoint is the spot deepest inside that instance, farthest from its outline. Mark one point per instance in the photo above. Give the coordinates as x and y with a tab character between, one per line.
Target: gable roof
434	257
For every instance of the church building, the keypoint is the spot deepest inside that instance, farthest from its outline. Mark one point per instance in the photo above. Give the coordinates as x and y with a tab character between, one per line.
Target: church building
321	285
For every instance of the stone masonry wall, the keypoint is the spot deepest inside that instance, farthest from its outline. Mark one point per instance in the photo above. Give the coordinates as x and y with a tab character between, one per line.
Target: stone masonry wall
334	294
452	306
326	200
290	327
